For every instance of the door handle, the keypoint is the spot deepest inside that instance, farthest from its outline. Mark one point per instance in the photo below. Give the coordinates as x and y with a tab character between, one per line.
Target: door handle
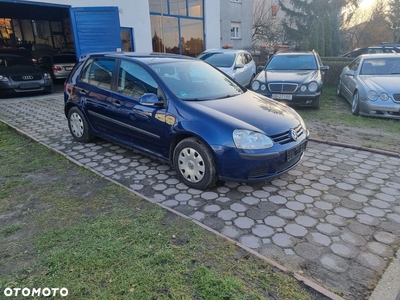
83	92
117	103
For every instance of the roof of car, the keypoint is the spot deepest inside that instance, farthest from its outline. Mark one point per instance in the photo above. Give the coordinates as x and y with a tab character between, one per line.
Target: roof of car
225	50
148	57
295	53
380	55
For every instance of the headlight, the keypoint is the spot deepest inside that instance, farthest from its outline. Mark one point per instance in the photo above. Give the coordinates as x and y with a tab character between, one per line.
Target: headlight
372	95
313	86
384	96
263	87
247	139
303	88
3	78
47	76
255	85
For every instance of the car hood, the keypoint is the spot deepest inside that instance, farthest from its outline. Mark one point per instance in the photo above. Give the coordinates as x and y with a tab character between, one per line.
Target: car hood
381	83
251	111
299	76
21	70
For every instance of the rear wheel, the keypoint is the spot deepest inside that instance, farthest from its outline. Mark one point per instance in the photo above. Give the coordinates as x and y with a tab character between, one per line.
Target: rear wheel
78	126
194	164
355	105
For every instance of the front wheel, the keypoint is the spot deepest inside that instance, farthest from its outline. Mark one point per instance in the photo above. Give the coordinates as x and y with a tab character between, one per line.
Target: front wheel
78	126
355	106
194	164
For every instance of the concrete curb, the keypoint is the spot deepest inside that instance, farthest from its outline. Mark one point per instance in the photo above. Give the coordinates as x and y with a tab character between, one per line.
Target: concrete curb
388	287
377	151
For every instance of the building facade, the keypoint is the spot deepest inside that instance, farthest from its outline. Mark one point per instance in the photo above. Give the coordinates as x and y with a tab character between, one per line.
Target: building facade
176	26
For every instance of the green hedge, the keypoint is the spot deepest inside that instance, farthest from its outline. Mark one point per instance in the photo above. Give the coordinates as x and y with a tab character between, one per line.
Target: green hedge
336	65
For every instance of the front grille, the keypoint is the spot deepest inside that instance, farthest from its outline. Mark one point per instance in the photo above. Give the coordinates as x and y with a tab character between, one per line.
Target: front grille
19	77
282	87
396	97
285	137
260	172
288	164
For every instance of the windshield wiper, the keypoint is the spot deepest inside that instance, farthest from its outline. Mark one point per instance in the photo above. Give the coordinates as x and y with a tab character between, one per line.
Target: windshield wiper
226	96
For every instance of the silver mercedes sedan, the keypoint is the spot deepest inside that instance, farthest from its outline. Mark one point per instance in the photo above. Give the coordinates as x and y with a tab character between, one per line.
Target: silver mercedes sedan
371	84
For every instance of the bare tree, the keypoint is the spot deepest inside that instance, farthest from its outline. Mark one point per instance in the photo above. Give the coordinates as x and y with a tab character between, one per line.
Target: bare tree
367	27
266	29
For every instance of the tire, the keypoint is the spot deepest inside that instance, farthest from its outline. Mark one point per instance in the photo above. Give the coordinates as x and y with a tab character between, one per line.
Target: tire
355	105
317	104
194	164
78	126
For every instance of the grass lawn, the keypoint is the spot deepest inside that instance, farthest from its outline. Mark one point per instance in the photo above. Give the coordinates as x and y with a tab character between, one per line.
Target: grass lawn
64	227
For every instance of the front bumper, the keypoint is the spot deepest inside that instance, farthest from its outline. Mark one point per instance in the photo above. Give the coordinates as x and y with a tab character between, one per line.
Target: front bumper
381	110
251	166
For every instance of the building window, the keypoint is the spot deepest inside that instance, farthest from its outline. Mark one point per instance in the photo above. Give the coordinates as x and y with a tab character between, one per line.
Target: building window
177	26
127	39
235	30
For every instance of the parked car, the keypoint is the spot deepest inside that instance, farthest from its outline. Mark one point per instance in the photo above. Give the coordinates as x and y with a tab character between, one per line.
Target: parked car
377	49
238	64
40	50
18	51
59	65
18	76
295	78
186	112
370	83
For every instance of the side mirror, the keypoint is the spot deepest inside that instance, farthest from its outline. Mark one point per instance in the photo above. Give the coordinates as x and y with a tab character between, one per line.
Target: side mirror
239	66
324	68
260	69
149	99
349	73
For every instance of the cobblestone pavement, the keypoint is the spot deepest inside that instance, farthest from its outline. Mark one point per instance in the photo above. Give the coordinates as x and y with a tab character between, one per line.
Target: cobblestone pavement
335	218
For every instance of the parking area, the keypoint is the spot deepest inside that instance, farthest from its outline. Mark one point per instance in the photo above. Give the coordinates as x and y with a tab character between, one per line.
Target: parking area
335	218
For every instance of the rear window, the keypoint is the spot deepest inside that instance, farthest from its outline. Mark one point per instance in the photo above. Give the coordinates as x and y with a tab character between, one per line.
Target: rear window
62	59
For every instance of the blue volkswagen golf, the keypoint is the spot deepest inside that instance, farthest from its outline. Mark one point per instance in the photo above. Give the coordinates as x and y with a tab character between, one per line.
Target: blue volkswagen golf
186	112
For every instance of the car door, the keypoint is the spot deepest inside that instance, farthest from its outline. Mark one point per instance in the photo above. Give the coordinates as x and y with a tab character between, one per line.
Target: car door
140	125
240	73
94	88
351	80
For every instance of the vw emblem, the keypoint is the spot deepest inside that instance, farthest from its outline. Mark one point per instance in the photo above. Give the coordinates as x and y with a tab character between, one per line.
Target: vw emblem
293	134
28	77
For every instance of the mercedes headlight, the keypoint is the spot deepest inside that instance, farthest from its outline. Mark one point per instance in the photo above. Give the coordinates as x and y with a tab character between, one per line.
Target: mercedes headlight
372	95
255	85
247	139
384	96
313	86
47	76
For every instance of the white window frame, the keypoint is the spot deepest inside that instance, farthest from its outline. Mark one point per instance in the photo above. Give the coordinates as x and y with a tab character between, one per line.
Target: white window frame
235	30
236	1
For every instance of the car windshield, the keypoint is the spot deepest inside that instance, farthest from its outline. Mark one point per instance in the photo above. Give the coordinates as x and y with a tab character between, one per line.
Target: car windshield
292	62
381	66
218	59
9	61
196	81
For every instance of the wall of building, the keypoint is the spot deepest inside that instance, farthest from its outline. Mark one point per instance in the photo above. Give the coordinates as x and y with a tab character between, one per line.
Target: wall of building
135	14
240	11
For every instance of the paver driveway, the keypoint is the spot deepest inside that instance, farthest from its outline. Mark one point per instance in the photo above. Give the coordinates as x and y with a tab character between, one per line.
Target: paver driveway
335	218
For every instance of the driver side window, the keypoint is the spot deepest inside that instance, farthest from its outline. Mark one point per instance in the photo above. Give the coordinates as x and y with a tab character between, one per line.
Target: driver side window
134	80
